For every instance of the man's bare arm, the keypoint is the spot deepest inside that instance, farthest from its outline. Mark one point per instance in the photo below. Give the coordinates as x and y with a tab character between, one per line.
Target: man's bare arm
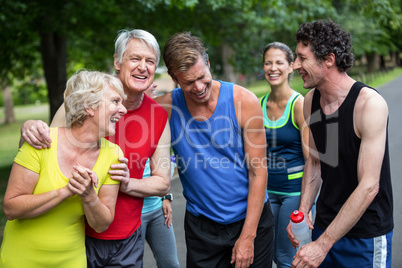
250	118
311	181
158	184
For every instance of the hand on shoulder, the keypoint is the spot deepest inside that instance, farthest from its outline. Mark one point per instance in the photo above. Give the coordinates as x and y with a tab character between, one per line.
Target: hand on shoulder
36	133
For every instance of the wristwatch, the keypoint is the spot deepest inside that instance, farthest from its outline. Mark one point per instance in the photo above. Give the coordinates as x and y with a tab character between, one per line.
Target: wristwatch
169	197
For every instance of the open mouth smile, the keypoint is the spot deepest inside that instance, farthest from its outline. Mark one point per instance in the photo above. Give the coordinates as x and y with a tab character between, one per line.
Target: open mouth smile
139	76
199	94
114	119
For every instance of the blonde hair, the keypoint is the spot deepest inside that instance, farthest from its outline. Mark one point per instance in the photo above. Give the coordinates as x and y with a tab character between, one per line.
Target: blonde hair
85	90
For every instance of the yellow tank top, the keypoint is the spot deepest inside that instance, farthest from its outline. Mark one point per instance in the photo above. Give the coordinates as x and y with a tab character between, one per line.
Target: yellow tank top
57	237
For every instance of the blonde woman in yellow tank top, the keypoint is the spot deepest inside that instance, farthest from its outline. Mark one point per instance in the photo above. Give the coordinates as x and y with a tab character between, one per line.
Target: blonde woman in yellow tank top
52	192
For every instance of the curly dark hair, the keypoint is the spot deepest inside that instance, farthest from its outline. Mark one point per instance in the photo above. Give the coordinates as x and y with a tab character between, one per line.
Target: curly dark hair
325	37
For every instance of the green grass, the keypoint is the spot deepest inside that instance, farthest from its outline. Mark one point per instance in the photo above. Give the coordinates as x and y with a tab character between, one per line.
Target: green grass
11	132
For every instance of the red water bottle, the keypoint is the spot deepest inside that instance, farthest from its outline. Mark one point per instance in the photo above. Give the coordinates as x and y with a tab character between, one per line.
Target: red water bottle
300	228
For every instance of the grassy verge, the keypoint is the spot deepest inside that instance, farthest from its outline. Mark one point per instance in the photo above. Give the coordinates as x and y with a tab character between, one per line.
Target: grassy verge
382	78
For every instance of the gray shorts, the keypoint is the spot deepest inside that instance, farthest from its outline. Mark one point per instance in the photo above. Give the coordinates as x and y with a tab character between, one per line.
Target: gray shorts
127	252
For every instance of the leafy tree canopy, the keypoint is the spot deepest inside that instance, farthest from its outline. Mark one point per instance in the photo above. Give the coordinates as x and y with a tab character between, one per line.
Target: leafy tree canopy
88	29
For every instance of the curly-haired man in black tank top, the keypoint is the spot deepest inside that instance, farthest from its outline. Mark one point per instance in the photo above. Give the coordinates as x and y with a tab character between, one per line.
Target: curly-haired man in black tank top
348	158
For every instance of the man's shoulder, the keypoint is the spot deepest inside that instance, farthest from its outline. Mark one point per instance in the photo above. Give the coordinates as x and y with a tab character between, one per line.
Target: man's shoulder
165	101
244	95
369	98
246	104
370	112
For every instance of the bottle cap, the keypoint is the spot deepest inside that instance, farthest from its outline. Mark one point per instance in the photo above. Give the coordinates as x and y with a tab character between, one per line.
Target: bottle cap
297	216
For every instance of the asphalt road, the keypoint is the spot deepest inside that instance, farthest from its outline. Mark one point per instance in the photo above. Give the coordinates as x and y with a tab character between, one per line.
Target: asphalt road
392	92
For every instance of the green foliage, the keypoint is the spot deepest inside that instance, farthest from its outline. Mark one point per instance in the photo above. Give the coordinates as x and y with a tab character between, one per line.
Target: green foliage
275	21
30	90
90	28
384	12
19	45
372	24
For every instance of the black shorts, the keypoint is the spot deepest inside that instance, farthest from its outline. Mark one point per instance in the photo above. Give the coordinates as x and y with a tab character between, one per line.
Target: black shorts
127	252
210	244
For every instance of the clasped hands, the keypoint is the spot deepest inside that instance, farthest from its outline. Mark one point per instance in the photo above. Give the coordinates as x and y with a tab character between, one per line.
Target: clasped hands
83	180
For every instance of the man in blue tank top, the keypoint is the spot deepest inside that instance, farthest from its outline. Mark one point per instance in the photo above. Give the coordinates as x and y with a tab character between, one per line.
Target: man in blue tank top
348	157
219	141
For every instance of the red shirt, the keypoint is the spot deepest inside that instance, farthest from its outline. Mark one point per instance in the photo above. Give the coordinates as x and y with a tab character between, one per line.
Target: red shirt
137	133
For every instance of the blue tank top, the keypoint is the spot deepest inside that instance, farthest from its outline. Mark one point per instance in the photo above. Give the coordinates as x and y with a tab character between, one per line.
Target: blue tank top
210	159
285	160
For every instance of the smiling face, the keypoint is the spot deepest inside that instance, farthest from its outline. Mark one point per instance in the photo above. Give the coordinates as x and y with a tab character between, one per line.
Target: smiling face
309	67
137	69
276	67
196	83
110	110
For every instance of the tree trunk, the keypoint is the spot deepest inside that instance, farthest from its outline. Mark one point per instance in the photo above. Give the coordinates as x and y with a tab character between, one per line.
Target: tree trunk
8	105
228	55
54	58
383	65
395	59
372	62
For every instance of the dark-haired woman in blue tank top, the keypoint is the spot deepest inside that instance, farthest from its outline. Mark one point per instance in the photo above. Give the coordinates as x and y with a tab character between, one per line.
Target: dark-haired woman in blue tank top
286	133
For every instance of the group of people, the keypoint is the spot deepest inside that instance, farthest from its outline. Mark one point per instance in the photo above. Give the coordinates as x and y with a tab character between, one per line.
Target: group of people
245	164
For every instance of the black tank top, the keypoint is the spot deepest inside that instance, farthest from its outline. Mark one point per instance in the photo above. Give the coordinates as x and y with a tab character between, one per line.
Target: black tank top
338	149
